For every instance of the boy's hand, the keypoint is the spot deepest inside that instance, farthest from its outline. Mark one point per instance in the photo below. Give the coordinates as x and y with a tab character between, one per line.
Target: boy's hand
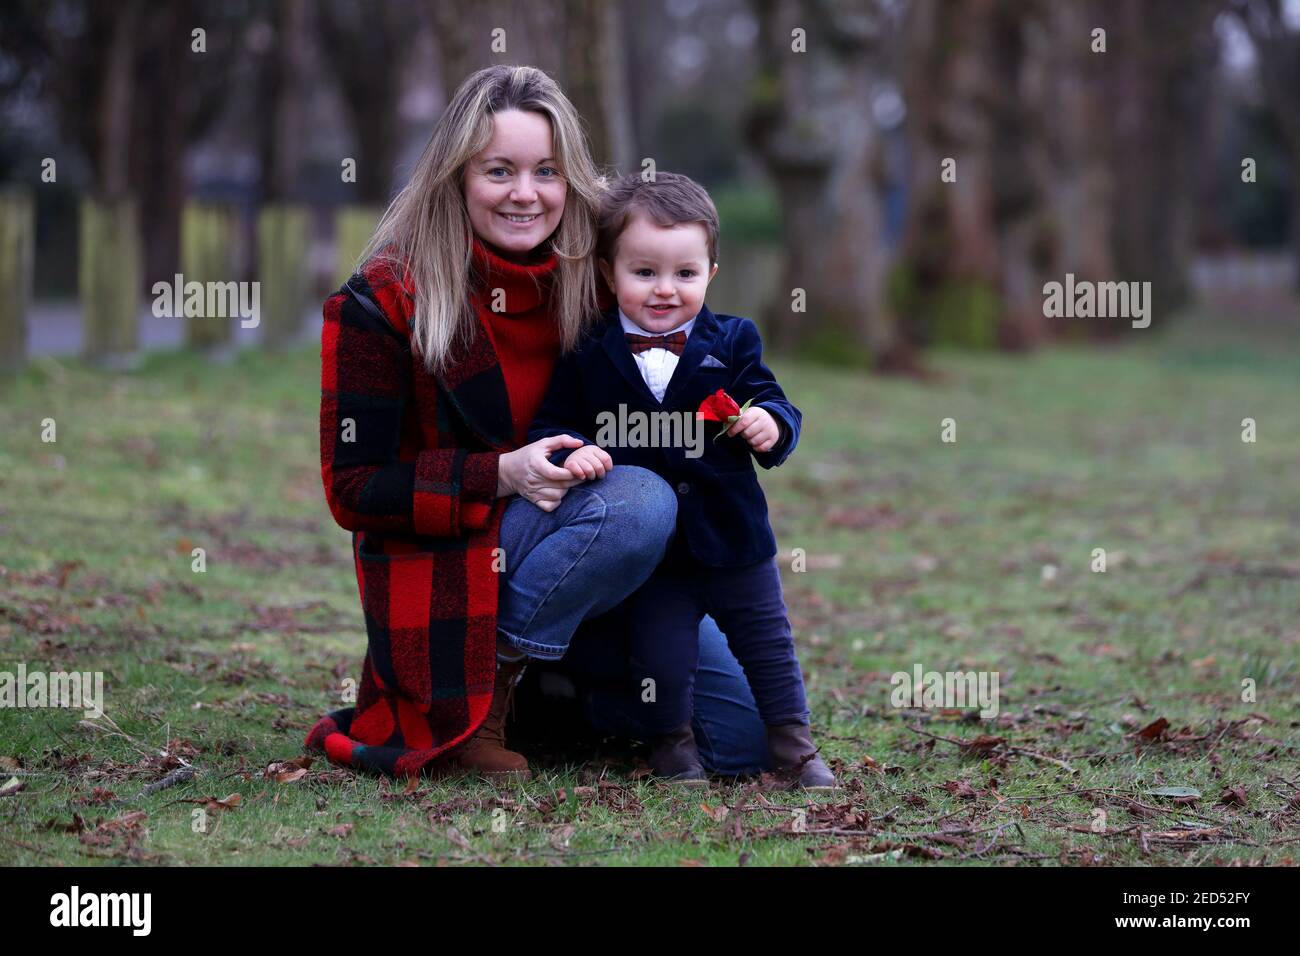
758	427
589	461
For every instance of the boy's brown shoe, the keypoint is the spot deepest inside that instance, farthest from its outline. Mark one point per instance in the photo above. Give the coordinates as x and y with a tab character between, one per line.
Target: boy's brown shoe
793	752
675	759
486	752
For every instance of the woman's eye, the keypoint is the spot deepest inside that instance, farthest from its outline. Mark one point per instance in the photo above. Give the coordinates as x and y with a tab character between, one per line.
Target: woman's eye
498	169
552	171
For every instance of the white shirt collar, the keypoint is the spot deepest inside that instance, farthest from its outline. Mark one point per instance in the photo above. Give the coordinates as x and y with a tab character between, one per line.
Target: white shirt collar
630	326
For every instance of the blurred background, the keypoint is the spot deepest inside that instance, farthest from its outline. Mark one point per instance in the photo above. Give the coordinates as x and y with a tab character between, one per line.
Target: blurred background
1128	140
1106	516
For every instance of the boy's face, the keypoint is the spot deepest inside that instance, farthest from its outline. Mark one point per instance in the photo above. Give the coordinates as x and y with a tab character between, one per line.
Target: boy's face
660	273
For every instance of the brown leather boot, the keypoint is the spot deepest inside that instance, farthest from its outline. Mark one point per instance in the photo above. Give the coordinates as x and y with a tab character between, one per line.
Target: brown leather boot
793	752
486	752
675	759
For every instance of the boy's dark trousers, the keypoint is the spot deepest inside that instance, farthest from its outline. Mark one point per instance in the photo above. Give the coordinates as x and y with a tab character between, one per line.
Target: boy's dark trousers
663	621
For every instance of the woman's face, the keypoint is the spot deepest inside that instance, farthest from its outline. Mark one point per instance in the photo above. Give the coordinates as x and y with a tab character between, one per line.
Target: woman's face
513	189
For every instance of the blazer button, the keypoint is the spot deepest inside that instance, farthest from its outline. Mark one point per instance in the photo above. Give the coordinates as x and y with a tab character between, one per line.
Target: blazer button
683	488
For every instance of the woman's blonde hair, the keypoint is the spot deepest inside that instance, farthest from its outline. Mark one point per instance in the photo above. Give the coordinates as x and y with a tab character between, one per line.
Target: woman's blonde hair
426	233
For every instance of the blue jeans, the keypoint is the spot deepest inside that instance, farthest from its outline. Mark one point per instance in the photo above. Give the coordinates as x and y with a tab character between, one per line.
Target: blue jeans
580	562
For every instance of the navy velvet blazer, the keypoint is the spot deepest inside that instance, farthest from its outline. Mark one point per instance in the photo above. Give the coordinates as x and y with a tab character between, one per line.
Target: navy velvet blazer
721	511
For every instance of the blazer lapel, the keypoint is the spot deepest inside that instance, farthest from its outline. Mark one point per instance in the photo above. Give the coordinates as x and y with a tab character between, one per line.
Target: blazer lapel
622	358
704	333
476	388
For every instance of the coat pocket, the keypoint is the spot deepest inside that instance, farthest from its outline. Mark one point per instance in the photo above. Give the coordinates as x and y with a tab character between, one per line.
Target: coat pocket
396	596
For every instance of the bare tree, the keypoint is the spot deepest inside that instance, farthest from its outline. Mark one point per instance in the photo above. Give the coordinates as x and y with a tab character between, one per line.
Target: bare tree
575	41
811	123
283	116
82	56
592	79
1077	140
1277	47
1160	64
366	46
977	239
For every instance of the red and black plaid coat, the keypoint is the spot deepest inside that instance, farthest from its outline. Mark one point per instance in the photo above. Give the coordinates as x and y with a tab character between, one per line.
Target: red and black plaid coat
409	463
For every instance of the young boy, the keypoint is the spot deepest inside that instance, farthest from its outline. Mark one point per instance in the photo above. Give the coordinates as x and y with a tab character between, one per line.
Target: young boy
661	350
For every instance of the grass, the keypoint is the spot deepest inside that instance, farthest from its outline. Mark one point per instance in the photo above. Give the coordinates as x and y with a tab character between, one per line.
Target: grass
972	555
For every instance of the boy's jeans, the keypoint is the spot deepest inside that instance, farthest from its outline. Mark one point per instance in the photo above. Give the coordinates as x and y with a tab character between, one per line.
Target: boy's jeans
582	560
663	621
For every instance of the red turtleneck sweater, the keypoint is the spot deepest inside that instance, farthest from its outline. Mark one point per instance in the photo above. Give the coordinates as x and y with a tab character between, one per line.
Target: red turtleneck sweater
524	333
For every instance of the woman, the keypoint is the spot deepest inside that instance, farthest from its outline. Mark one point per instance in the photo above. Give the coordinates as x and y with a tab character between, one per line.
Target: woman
473	551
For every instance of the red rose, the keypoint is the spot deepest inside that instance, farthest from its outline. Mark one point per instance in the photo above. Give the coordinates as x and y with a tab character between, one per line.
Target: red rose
721	407
718	407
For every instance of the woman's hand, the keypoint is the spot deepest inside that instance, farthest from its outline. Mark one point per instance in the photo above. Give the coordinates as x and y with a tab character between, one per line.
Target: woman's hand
527	472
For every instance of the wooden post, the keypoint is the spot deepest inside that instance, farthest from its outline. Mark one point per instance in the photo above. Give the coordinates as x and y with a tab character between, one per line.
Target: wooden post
109	280
282	271
353	227
17	241
208	255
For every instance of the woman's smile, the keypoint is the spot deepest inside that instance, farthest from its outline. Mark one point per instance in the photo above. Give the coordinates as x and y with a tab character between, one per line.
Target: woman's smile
514	192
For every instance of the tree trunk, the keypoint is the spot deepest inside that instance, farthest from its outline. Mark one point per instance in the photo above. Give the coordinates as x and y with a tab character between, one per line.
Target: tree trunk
114	120
810	121
158	163
1278	50
367	47
17	242
353	226
463	43
1080	153
946	289
109	270
283	135
282	272
109	261
590	33
1163	58
208	236
1019	200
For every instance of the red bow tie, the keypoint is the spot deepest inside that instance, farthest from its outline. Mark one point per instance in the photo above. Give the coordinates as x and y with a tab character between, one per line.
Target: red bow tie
673	342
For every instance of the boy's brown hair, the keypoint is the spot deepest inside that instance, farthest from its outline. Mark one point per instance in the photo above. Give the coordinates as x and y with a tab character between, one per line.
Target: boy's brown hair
670	199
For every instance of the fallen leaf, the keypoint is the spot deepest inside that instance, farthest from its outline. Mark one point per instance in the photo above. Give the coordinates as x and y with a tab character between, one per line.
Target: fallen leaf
287	771
1154	730
1233	796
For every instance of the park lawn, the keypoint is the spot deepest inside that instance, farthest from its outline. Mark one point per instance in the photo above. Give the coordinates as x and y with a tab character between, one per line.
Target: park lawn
970	555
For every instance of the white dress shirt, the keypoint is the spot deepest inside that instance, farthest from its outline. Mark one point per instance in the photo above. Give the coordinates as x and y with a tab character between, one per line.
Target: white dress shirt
656	364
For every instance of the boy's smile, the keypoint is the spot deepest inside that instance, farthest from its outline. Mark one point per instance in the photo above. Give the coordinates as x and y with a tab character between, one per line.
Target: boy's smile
660	273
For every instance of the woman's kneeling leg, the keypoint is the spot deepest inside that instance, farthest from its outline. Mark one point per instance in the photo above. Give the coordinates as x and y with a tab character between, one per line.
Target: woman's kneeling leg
582	559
